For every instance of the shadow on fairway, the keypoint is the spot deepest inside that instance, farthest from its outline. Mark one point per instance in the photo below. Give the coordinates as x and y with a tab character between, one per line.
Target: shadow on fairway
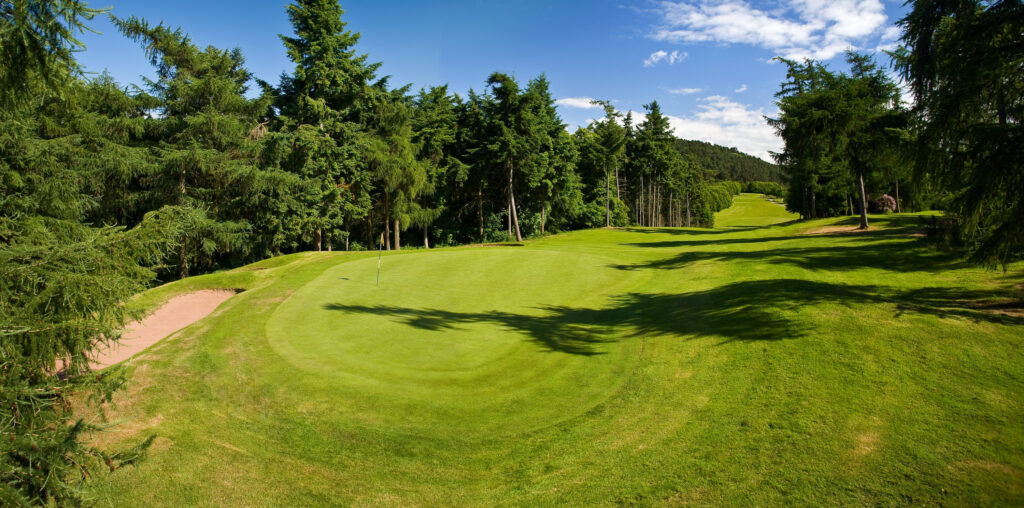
898	254
692	231
896	227
742	311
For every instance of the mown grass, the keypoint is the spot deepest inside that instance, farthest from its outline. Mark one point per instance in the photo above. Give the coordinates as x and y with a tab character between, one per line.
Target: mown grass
753	364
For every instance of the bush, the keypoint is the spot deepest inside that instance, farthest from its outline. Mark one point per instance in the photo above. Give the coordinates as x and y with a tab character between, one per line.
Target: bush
767	188
735	188
720	196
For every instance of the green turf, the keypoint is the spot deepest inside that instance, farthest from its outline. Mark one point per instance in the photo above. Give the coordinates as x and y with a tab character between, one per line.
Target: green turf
753	364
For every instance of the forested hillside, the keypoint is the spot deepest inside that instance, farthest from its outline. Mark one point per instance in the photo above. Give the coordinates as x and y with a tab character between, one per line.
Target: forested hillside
729	163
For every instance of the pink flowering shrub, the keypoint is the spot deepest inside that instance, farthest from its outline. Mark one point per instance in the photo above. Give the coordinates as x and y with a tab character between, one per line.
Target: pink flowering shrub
886	203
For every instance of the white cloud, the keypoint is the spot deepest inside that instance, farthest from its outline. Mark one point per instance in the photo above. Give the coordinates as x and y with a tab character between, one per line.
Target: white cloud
655	57
819	29
577	102
728	123
660	55
741	89
685	91
889	40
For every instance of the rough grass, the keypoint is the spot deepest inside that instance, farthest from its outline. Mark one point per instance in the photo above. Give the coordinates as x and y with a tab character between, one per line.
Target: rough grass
752	364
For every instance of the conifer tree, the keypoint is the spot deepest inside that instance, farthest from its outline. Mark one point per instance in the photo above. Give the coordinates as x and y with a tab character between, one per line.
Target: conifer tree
199	139
62	281
963	62
435	131
325	104
611	143
391	156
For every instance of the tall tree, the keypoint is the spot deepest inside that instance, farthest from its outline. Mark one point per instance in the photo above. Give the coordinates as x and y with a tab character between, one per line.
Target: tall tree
963	61
391	156
62	281
511	138
199	137
611	140
838	130
435	131
324	104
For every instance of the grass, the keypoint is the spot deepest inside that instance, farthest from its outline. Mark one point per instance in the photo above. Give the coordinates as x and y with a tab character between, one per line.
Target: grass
752	364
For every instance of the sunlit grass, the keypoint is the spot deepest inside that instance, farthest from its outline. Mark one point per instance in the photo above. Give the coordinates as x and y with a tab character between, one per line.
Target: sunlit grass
752	364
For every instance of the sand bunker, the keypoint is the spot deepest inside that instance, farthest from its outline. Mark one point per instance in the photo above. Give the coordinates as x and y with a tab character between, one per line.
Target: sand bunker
177	313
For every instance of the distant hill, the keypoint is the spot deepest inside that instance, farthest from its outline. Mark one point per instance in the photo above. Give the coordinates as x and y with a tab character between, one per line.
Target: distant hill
729	163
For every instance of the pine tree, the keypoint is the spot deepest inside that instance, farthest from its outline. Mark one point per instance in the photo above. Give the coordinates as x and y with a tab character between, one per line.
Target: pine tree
963	63
435	131
611	143
325	105
199	140
391	156
62	281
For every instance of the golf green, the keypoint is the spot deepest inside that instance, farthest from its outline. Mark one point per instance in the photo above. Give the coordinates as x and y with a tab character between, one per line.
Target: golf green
465	343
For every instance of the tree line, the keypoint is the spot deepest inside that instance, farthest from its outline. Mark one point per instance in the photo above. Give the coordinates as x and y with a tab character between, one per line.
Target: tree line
334	158
854	145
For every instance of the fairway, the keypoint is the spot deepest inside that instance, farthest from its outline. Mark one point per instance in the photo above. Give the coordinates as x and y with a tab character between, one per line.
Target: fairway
751	364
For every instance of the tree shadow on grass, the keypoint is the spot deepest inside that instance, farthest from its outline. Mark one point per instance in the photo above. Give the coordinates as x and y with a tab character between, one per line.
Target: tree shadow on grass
898	254
742	311
895	227
691	231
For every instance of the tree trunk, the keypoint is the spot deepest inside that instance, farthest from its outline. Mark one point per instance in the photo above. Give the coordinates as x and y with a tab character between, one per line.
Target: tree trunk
803	204
618	195
543	217
512	205
183	261
508	216
607	201
398	240
319	239
330	247
640	209
181	187
426	236
898	196
687	209
814	205
480	209
387	223
849	205
863	205
671	215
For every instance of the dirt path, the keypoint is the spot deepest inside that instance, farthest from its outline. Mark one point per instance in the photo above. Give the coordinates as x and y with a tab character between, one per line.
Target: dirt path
177	313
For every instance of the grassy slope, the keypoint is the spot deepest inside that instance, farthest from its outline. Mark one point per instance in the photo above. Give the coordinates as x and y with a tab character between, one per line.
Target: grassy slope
750	364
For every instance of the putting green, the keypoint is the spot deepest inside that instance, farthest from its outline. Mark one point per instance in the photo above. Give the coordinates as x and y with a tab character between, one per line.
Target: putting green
463	344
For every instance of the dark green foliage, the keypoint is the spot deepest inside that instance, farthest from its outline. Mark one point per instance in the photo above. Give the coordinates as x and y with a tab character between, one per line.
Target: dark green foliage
842	135
325	106
766	188
729	163
963	61
62	281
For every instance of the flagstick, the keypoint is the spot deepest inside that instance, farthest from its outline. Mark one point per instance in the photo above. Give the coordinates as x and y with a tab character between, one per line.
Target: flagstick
380	250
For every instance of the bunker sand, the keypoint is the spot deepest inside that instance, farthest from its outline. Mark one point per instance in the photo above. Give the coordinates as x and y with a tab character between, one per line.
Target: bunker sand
177	313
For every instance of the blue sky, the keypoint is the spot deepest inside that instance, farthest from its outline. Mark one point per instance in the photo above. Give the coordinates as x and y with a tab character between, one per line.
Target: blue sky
706	62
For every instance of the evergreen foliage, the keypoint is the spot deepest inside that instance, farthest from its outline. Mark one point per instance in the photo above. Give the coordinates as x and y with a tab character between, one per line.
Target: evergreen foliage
729	163
963	62
840	131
